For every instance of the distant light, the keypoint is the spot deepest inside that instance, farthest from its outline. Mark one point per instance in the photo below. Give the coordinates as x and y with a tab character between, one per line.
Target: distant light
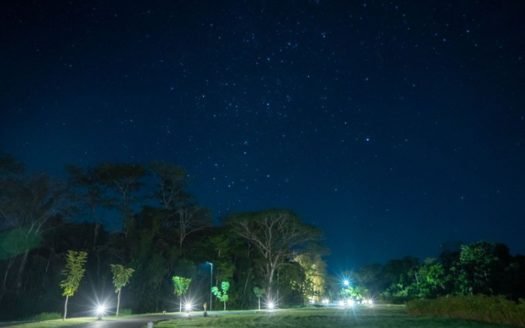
325	301
346	282
369	301
100	310
341	303
270	305
350	302
312	301
188	307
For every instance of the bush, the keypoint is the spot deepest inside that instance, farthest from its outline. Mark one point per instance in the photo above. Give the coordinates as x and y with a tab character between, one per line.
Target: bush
46	316
481	308
124	312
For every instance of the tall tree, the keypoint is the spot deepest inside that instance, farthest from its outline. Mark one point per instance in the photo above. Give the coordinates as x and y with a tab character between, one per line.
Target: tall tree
121	277
27	204
276	234
191	219
73	272
122	182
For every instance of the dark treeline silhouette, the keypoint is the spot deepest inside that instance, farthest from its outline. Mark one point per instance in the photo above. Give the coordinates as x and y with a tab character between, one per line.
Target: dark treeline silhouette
142	217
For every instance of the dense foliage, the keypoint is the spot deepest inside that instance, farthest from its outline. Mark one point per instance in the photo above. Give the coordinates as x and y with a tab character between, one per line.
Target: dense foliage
470	269
141	216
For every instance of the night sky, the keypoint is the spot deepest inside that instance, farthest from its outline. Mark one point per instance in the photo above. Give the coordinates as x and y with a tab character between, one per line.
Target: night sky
395	126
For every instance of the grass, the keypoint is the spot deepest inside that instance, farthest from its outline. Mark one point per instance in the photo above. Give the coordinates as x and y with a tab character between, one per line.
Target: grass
56	323
360	317
478	307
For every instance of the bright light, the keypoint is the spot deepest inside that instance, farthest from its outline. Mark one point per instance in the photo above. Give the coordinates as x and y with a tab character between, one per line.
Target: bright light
346	282
350	302
270	305
369	301
100	310
341	303
325	301
188	306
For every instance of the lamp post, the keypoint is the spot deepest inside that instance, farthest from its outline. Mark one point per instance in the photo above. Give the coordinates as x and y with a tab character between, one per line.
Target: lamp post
211	284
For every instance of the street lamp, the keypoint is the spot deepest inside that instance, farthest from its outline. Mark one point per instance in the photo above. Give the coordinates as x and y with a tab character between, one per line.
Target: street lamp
211	283
100	311
346	283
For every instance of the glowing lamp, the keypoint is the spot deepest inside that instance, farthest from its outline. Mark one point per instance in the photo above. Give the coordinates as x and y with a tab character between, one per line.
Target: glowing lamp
100	310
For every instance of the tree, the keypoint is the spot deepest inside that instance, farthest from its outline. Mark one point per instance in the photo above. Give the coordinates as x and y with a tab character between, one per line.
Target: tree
27	204
121	276
191	219
122	183
477	265
222	294
73	272
276	234
259	293
180	285
431	279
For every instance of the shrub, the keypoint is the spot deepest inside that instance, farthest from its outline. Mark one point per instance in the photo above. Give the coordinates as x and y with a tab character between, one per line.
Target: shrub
125	311
46	316
493	309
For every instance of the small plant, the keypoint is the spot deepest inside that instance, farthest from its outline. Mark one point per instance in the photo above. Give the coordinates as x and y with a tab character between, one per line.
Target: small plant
222	294
74	272
180	286
259	292
121	276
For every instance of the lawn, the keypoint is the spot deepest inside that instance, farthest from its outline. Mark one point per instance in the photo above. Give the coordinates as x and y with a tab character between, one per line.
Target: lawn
360	317
56	323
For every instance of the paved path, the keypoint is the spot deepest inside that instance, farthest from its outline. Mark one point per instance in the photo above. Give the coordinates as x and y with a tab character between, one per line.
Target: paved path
134	322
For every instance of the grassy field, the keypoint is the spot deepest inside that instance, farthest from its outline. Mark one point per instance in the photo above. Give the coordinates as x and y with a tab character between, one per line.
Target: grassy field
55	323
360	317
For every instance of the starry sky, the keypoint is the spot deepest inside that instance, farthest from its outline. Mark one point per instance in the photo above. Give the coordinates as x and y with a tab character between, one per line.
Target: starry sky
395	126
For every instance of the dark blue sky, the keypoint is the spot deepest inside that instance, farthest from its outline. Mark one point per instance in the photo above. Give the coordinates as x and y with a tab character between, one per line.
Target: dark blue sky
395	126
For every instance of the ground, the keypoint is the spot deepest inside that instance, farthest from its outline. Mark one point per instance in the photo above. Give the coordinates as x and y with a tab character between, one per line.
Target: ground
360	317
378	316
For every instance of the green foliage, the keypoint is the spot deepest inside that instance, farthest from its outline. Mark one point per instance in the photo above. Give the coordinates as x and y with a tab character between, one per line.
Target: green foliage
480	307
431	280
476	268
180	285
73	272
46	316
259	292
222	293
121	276
18	240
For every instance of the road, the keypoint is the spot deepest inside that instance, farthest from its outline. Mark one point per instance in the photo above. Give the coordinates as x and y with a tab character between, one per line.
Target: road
133	322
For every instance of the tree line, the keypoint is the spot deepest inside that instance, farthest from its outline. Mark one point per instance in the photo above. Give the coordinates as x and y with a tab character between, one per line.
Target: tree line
142	217
479	268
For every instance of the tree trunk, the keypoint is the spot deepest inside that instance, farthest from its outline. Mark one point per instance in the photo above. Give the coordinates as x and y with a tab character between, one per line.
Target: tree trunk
118	301
65	307
180	303
259	301
224	306
21	269
6	275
